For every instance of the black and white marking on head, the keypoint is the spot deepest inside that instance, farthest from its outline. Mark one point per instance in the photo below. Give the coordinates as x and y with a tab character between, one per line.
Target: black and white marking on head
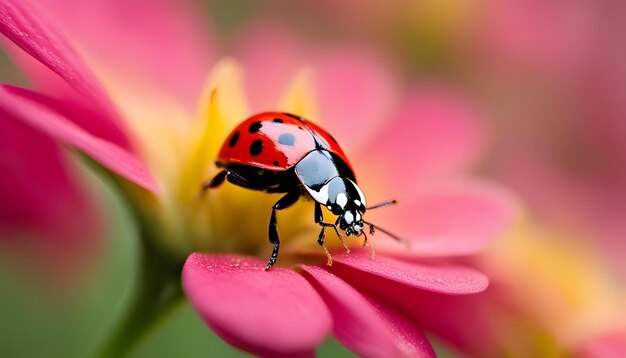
321	195
361	200
348	217
341	200
339	195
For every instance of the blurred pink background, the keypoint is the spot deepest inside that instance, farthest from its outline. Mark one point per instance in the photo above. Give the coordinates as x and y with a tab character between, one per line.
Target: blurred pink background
529	93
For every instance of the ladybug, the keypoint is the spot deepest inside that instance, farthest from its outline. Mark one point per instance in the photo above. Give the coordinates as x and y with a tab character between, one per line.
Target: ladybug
283	153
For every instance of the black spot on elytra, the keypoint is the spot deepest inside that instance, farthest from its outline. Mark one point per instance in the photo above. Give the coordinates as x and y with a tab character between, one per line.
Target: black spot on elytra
277	120
286	139
234	139
276	163
254	127
256	147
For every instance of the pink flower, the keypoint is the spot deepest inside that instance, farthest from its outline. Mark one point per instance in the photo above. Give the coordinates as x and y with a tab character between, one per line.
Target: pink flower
127	106
42	198
571	308
565	130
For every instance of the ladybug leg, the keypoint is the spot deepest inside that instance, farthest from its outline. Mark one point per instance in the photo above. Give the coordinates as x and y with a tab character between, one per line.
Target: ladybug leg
319	219
367	244
231	176
320	241
340	237
283	203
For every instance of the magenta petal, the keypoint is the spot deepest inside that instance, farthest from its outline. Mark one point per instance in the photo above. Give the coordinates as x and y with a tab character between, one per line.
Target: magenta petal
443	278
20	23
270	54
357	92
38	193
130	37
22	105
263	312
464	322
607	345
341	75
46	220
435	296
441	131
367	329
459	218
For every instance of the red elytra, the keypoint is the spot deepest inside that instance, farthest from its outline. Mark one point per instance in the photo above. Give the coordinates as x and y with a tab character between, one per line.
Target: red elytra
275	141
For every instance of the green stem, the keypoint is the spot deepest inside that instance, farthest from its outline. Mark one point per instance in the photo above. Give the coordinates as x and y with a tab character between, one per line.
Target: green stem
156	292
157	286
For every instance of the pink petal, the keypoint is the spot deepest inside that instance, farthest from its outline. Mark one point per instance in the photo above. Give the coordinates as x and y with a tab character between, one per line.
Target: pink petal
586	198
161	42
262	312
45	216
465	322
271	56
26	106
434	133
20	23
355	88
358	266
607	345
357	93
459	218
446	310
37	191
367	329
550	36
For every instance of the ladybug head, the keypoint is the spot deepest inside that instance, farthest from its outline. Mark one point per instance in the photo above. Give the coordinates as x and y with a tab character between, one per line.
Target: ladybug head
351	222
346	200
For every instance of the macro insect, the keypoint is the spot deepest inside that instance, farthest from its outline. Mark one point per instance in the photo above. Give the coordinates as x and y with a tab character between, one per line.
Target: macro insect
284	153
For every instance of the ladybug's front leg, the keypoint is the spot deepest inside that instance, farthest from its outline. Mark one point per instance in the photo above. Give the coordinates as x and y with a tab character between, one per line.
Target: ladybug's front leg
319	219
284	202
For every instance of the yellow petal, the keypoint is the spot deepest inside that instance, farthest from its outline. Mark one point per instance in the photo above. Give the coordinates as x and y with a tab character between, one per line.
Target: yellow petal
222	107
299	98
560	283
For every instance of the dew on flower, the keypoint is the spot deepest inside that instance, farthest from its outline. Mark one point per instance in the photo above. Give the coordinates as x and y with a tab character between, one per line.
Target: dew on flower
236	263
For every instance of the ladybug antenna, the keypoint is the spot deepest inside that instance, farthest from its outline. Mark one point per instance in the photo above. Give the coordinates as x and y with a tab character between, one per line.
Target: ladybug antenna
382	204
373	228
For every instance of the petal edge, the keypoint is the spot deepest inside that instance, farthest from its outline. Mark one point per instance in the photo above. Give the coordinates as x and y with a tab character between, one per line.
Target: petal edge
23	105
263	312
